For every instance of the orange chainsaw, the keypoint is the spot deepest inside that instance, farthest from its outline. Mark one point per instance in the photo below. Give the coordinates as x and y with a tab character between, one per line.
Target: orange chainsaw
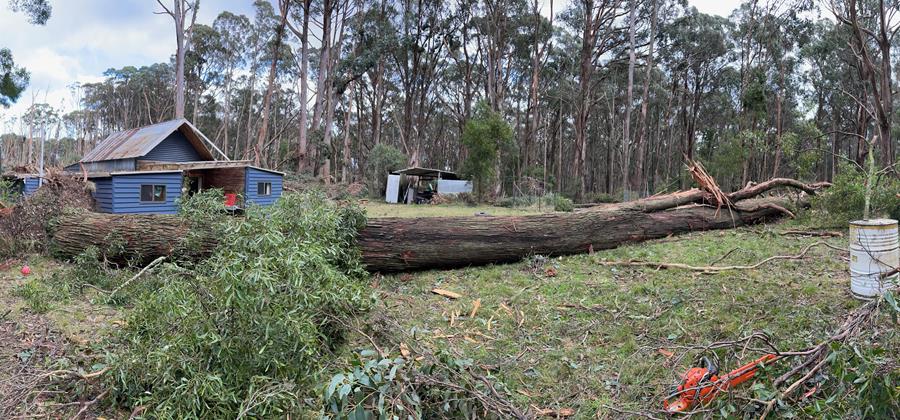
700	385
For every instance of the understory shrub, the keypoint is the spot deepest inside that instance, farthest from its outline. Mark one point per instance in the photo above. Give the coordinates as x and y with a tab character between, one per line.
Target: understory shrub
560	203
601	198
844	200
246	332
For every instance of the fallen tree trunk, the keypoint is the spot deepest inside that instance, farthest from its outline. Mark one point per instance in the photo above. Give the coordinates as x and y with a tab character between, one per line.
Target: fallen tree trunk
701	196
401	244
138	238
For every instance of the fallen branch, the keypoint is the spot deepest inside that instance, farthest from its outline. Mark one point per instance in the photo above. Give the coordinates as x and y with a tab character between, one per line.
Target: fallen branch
826	234
772	206
90	403
890	273
136	276
816	356
710	268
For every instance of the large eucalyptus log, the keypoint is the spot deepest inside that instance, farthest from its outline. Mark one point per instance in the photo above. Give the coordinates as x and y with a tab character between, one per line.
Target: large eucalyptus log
129	237
400	244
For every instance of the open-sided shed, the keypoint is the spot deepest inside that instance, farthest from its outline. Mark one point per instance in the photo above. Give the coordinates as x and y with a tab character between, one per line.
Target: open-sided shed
417	185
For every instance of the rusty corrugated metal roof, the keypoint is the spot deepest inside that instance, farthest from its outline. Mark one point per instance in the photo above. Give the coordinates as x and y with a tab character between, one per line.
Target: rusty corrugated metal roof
137	142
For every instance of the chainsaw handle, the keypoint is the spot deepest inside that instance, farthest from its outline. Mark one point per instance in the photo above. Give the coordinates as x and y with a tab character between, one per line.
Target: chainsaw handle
710	366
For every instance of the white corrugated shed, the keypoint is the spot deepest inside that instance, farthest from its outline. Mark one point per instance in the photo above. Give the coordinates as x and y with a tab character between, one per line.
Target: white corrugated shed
451	186
393	189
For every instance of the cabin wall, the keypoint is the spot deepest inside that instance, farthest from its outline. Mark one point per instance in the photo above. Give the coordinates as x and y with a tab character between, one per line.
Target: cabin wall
175	148
103	194
127	192
253	178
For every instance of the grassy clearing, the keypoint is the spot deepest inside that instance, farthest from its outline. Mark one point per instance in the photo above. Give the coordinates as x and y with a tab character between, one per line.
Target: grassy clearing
71	308
560	333
47	325
379	209
569	333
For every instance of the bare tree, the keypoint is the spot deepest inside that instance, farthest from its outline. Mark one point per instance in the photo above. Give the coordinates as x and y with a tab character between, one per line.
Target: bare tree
599	18
260	152
639	178
303	124
178	12
629	102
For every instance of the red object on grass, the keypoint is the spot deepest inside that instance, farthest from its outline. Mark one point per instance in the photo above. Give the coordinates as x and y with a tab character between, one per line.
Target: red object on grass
230	199
26	270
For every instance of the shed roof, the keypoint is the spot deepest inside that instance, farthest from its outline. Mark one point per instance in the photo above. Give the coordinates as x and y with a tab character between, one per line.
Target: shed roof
427	172
137	142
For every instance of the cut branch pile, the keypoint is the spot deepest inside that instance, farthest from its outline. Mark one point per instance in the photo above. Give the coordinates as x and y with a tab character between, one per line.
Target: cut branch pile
26	223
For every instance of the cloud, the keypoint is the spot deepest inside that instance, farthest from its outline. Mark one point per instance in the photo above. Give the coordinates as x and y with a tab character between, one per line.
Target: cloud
84	38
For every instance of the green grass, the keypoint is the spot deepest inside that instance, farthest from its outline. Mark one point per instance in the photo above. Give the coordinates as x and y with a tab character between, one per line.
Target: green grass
69	307
588	335
569	332
379	209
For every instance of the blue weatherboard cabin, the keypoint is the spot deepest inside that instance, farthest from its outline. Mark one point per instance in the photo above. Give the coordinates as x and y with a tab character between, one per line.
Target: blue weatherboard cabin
25	184
148	169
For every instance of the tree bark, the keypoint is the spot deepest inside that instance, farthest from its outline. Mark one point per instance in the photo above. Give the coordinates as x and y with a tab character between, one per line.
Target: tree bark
402	244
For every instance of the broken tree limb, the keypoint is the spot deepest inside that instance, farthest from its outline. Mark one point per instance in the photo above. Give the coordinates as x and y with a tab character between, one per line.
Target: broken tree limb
136	276
700	196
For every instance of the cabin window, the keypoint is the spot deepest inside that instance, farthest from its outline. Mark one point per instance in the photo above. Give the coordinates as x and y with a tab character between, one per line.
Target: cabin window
263	188
153	193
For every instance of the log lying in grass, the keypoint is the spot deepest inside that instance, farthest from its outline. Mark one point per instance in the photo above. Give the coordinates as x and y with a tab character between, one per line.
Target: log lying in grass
139	238
401	244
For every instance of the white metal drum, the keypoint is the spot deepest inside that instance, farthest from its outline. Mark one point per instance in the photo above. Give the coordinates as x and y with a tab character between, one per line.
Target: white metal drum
873	251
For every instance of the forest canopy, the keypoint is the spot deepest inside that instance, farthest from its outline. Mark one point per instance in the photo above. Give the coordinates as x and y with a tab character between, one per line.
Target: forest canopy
603	97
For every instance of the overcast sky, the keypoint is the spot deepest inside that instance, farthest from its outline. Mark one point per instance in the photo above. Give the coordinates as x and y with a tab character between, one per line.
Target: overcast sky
84	38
